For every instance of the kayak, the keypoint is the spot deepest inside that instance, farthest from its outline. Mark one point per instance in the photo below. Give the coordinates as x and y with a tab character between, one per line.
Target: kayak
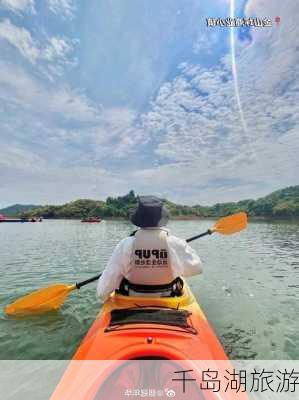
91	220
138	342
13	220
143	327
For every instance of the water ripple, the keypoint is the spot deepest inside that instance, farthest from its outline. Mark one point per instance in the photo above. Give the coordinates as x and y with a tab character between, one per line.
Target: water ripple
249	289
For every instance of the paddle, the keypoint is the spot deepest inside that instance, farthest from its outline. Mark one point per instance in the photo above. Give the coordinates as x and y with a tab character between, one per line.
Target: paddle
52	297
226	226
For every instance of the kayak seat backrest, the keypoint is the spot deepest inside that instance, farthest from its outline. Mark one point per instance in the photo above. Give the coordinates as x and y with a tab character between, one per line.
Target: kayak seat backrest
172	289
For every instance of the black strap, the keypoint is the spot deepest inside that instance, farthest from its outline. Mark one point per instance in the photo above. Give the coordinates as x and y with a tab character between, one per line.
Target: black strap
126	316
134	233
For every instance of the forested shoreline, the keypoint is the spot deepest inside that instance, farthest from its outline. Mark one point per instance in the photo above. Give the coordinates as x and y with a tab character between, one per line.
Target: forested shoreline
282	203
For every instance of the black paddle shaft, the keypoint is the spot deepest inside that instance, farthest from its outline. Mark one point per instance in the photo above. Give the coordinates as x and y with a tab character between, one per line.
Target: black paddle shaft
208	232
83	283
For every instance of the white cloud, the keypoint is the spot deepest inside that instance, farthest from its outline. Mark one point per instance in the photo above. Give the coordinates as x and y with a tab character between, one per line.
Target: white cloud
33	179
64	8
190	146
20	159
51	57
18	6
71	104
21	39
201	137
27	93
61	117
57	48
117	134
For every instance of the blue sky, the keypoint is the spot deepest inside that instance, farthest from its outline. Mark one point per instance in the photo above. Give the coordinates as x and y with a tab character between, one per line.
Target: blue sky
100	97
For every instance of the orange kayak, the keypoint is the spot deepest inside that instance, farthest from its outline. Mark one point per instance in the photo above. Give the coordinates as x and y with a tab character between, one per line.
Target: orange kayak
142	327
92	220
136	340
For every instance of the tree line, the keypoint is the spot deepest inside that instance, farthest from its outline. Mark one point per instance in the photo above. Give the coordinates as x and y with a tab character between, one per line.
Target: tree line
282	203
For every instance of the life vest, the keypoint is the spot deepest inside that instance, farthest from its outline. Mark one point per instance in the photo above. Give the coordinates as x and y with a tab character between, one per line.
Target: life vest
150	263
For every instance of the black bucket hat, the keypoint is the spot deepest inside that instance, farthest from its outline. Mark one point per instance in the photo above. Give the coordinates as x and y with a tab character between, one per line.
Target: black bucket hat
150	212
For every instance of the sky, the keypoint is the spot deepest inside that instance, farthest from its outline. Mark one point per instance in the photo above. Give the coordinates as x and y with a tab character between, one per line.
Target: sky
100	97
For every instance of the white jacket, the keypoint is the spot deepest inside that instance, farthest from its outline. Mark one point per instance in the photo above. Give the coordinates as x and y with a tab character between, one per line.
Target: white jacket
184	262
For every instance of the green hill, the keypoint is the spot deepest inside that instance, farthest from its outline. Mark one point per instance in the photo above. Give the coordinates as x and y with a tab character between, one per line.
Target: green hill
17	209
283	203
279	204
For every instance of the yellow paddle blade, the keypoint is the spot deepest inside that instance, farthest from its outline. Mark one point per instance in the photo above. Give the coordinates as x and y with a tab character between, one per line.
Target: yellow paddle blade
40	301
231	224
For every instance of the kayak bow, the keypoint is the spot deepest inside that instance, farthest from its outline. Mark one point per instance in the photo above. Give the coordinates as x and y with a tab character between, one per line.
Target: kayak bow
139	342
143	327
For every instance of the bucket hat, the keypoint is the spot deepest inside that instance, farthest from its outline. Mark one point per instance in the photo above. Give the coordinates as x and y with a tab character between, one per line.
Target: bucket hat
150	212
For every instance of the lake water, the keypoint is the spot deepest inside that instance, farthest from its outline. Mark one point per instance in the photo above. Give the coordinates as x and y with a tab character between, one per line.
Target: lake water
249	289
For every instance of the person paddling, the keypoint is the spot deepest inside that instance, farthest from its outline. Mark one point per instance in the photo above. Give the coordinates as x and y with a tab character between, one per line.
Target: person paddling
151	261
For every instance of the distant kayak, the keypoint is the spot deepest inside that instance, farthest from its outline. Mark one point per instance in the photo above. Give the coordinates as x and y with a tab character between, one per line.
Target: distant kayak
91	220
13	220
3	218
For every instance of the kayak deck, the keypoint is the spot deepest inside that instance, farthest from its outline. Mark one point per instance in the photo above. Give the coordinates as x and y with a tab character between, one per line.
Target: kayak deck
176	329
122	353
